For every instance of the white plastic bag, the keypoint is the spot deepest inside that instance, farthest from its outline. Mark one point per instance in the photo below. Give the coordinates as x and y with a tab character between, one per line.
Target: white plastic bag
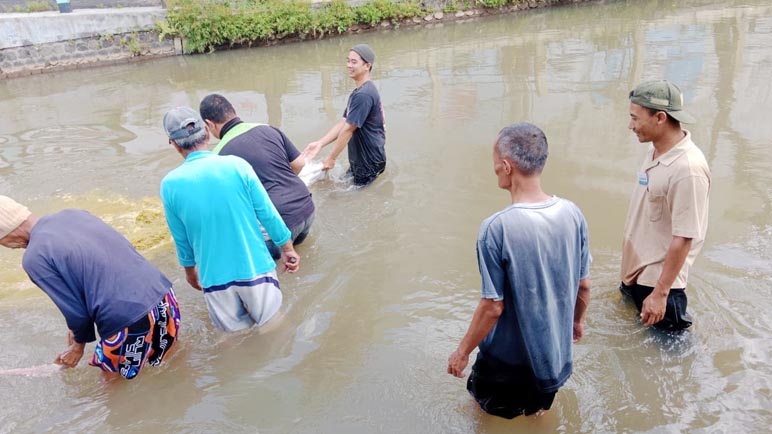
312	172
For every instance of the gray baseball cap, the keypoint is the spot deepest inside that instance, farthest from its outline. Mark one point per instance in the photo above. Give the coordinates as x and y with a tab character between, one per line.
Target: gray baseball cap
182	122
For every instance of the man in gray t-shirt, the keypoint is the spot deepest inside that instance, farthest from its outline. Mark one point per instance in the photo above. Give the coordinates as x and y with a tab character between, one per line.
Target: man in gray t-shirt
534	261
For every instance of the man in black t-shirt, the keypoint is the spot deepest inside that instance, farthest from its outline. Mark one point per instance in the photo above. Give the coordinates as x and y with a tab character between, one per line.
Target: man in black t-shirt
274	158
362	126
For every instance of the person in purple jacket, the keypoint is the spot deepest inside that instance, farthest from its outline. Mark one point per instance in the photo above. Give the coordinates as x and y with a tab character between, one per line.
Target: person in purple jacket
97	279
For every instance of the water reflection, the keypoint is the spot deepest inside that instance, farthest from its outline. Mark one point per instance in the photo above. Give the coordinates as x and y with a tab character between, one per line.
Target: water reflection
389	278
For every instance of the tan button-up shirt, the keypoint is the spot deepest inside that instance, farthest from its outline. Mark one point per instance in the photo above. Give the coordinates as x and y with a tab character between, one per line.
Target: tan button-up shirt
670	199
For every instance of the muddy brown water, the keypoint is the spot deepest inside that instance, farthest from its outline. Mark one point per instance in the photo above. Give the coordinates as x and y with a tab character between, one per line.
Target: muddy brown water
389	279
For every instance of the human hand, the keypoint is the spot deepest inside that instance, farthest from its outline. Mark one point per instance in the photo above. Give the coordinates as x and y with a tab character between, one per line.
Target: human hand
191	275
311	150
290	261
328	163
578	331
653	309
70	357
457	363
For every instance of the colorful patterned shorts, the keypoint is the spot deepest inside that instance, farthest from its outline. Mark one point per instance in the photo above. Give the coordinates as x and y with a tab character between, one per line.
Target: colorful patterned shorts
146	341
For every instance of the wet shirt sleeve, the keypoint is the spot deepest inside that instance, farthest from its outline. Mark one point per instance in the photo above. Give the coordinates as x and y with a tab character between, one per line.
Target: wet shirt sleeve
70	301
490	261
289	147
586	257
358	109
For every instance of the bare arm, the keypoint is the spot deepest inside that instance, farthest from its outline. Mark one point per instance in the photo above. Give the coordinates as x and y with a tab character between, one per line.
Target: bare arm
70	357
333	133
653	309
346	131
582	301
313	148
289	258
485	316
191	275
298	163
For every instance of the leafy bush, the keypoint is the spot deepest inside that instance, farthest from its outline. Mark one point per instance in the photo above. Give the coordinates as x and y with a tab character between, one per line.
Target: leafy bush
206	24
494	3
335	16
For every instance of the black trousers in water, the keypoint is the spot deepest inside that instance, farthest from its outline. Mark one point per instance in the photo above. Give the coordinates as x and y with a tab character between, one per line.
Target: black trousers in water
675	318
504	390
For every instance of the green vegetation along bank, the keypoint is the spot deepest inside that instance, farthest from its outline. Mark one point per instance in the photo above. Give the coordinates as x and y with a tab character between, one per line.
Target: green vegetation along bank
206	25
32	43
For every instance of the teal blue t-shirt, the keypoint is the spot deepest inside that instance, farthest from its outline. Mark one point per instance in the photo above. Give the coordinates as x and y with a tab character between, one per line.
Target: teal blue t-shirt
532	257
214	206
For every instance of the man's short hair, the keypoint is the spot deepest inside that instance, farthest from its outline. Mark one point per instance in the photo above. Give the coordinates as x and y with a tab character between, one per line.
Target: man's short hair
525	145
670	118
216	108
192	141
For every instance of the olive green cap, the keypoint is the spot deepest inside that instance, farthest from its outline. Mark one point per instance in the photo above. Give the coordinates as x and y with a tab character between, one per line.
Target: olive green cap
662	95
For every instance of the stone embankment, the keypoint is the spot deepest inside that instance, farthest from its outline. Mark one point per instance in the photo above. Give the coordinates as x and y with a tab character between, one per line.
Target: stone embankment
32	43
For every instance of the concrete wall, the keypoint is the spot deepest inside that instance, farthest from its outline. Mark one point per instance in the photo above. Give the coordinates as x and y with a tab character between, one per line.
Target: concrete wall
18	30
33	43
13	5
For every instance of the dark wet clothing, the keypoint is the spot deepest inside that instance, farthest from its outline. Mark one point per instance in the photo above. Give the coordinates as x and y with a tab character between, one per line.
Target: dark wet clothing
366	149
675	318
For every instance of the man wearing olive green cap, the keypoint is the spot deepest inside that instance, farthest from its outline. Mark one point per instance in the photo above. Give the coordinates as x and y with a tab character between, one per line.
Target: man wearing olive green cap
362	127
668	215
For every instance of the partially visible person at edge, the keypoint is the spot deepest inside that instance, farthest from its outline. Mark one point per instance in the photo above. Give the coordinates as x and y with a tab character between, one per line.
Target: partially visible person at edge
96	278
214	207
274	158
362	126
668	215
534	260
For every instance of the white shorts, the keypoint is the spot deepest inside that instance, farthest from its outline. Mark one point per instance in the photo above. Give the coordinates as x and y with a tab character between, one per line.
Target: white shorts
244	303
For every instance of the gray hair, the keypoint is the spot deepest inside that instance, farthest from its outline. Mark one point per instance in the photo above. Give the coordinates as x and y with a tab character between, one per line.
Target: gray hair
191	142
526	145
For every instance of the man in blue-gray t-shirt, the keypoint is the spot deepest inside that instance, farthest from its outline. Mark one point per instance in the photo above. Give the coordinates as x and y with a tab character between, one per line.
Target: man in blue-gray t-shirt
96	278
274	158
362	127
534	261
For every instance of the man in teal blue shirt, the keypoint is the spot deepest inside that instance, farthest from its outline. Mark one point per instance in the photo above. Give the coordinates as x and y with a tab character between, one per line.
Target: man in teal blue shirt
214	206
